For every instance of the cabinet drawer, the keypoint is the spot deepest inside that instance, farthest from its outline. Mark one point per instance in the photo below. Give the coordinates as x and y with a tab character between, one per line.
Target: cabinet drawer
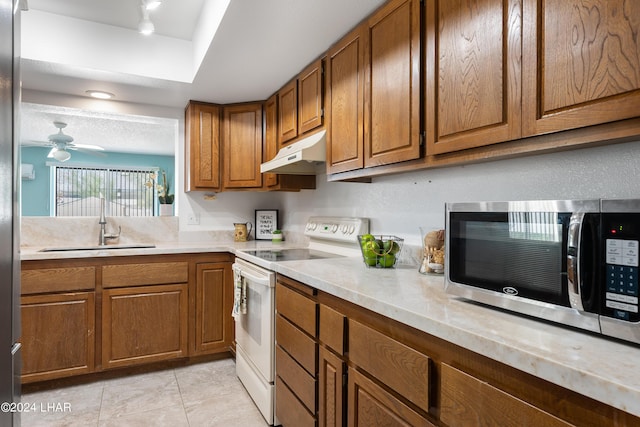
299	345
297	308
64	279
398	366
121	275
289	410
332	328
468	401
299	381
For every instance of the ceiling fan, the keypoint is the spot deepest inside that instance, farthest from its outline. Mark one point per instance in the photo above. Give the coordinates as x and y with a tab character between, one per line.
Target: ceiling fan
60	143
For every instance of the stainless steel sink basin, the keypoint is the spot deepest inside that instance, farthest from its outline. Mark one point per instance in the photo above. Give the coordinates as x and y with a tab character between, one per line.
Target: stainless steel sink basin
96	248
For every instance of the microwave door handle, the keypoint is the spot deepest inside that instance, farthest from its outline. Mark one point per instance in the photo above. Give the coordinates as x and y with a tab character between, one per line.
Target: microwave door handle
574	258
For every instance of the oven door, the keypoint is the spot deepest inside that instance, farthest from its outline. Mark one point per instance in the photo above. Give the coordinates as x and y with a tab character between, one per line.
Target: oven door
513	255
255	327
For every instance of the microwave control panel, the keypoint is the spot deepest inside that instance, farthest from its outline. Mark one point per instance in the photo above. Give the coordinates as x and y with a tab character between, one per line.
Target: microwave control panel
621	282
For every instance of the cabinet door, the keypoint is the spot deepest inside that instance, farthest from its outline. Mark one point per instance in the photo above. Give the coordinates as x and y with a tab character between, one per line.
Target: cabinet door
270	137
581	63
468	401
392	90
369	405
345	103
331	390
242	146
214	303
288	113
473	75
310	111
144	324
202	145
58	335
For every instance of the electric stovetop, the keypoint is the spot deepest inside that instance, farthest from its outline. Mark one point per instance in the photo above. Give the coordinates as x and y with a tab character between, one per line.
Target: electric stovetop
290	254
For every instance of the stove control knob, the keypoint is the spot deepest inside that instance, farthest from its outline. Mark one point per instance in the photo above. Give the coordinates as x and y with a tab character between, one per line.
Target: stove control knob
352	229
334	228
312	226
344	229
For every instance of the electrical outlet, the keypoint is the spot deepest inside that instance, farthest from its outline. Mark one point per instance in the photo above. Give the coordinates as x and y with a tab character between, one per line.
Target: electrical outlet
193	219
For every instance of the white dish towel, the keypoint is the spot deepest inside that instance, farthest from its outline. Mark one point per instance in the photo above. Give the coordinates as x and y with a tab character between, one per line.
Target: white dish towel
239	295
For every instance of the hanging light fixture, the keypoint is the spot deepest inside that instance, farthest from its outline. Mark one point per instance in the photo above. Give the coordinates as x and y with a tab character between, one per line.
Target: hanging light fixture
145	26
61	155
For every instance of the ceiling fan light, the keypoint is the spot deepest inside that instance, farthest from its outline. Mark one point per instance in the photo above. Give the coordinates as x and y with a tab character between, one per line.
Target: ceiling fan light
61	155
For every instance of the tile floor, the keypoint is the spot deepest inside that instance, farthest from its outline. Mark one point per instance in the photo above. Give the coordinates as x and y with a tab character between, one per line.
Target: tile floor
205	394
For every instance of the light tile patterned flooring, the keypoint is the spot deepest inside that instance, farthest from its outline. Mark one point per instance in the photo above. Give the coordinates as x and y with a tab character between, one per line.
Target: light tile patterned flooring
200	395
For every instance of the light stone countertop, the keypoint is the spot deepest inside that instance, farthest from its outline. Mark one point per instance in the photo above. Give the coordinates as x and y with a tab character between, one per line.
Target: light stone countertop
603	369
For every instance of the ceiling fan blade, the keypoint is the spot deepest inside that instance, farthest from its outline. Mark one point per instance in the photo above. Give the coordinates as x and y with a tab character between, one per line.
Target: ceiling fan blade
34	143
85	147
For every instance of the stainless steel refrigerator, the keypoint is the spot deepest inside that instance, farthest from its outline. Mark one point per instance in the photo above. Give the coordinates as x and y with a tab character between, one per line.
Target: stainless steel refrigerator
9	214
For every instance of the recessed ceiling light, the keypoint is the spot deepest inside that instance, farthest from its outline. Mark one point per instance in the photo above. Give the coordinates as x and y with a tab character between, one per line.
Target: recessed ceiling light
100	94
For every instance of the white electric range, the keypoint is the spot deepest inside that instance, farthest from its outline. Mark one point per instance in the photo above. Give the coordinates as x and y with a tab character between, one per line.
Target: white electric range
254	303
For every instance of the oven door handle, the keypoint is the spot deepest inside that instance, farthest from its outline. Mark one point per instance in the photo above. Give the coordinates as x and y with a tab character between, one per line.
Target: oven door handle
255	279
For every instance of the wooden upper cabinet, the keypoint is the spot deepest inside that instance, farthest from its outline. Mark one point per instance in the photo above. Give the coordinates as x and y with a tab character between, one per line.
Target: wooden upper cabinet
310	110
288	112
345	103
581	62
270	137
473	75
392	89
202	146
242	146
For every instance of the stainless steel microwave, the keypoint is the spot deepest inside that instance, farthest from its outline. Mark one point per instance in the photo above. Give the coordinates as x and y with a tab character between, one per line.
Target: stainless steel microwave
573	262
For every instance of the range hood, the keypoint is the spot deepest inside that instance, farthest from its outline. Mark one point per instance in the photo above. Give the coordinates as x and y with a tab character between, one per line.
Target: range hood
299	158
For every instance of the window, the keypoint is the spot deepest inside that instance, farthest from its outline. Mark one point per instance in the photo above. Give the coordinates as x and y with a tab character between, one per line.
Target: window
126	191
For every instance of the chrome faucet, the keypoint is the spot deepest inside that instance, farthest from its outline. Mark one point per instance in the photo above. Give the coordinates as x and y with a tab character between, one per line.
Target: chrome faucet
103	237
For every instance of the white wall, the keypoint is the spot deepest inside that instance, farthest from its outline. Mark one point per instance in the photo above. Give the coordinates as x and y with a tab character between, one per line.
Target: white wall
399	204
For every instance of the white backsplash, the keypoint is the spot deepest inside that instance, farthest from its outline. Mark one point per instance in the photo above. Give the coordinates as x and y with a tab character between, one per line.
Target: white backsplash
397	204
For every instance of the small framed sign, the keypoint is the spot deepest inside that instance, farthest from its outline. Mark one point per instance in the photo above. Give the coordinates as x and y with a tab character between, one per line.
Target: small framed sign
266	222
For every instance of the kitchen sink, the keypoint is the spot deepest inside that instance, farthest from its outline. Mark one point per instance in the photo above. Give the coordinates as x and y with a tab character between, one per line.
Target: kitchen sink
96	248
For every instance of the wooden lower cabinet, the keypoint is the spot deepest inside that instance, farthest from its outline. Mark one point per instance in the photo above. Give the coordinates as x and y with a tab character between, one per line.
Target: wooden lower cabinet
289	409
468	401
296	354
369	405
84	315
58	335
332	373
214	327
144	324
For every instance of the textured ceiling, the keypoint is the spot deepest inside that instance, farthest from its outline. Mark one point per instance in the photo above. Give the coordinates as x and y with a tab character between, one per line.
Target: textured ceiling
114	132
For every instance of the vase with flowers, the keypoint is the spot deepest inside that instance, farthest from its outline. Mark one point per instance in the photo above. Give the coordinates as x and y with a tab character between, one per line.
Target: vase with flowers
165	198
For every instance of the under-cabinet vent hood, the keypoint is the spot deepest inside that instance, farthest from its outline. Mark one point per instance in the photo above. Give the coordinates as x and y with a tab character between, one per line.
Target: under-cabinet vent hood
299	158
